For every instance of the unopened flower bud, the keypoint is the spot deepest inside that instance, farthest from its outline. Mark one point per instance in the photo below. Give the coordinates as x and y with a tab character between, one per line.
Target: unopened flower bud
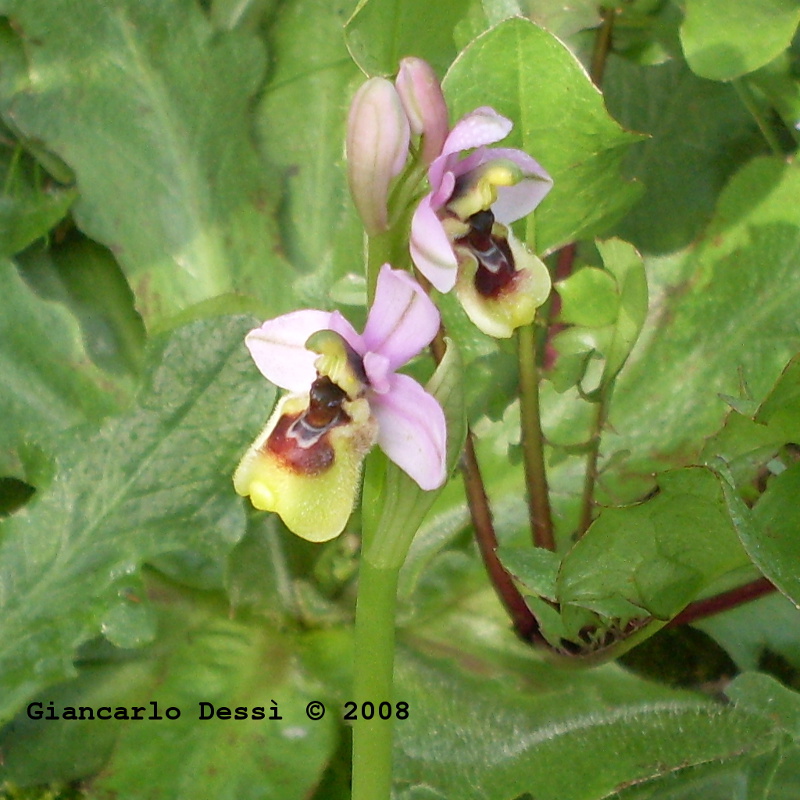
377	147
422	98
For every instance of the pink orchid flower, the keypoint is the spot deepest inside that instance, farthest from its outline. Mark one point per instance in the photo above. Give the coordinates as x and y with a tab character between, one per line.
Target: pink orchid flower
523	185
346	395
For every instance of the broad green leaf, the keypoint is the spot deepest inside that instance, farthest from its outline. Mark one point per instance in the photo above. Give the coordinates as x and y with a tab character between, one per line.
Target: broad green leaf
528	75
381	32
49	381
699	134
589	297
322	235
723	39
201	655
538	730
657	555
726	320
153	481
534	567
150	106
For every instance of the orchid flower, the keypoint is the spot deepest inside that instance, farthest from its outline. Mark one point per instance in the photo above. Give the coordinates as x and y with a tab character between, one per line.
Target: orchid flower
459	232
345	395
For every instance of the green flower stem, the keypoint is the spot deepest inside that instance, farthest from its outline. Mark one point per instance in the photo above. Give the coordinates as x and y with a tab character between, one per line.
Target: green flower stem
541	518
590	478
379	252
374	668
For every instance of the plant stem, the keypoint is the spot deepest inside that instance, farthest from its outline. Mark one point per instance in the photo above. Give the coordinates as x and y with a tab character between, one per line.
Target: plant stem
722	602
374	671
539	512
590	478
525	623
602	45
749	102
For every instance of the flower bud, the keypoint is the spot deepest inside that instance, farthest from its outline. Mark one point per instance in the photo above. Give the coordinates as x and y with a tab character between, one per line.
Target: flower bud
305	470
422	98
377	147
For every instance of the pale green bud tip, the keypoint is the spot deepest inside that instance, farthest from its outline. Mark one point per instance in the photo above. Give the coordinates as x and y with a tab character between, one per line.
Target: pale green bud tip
377	147
424	104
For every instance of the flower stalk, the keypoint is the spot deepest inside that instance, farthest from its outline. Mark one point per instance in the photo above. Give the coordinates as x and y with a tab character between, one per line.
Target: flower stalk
539	511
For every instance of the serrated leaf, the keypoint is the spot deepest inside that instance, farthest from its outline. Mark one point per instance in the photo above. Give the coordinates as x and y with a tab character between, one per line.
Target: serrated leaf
529	76
152	481
723	40
159	139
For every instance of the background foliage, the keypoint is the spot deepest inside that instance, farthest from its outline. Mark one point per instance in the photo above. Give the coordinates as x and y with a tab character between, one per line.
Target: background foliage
172	172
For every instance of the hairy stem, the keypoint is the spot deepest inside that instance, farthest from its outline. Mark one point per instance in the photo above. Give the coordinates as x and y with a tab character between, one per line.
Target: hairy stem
539	512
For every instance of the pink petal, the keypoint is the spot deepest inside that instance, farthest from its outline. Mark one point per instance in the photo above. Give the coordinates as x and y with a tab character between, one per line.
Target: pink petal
412	431
278	348
431	249
378	372
516	202
480	127
341	326
402	320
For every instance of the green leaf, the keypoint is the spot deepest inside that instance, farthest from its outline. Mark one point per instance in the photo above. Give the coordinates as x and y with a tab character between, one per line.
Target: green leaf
530	77
381	32
727	319
762	694
150	106
589	297
49	382
153	481
723	40
540	728
657	555
534	567
321	232
700	133
625	264
201	655
769	532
